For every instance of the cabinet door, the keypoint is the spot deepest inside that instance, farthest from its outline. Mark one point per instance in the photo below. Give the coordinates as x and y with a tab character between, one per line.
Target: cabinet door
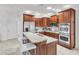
67	16
54	18
61	17
41	23
28	17
46	22
51	49
41	48
37	22
64	17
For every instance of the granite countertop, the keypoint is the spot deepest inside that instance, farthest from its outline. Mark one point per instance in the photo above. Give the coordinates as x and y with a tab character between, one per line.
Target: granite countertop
49	39
36	37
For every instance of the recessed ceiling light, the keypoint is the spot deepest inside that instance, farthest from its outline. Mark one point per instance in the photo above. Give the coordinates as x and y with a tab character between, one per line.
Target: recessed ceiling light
49	8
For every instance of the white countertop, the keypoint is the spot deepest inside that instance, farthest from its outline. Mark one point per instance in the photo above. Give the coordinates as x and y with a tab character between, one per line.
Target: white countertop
36	37
49	39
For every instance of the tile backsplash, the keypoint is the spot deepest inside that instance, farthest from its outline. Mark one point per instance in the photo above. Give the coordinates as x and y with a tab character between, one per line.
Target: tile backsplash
41	29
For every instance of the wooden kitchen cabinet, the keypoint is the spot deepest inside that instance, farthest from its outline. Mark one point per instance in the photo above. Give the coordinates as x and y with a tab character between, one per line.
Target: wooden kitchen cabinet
51	48
38	22
68	17
54	18
46	22
65	16
41	48
61	17
42	22
27	17
44	48
53	35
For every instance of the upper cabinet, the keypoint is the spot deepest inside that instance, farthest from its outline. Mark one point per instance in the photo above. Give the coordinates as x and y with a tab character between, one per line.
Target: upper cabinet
54	18
38	22
46	22
65	16
28	18
42	22
61	17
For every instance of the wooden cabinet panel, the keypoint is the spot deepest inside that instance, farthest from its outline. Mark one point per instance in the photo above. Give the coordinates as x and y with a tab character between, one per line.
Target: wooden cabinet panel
54	18
46	22
51	49
27	17
42	22
46	49
69	17
37	22
41	48
61	17
53	35
64	16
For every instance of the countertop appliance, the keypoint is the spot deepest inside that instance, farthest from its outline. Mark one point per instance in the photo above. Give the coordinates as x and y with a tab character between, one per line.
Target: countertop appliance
64	32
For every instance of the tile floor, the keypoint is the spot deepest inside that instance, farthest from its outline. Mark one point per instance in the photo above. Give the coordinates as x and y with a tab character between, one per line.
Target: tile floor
64	51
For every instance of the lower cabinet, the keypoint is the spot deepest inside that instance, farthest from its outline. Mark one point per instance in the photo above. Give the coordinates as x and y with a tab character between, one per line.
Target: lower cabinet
41	48
54	35
51	49
44	48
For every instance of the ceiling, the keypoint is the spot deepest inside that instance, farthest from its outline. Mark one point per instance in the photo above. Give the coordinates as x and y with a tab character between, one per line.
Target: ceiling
40	8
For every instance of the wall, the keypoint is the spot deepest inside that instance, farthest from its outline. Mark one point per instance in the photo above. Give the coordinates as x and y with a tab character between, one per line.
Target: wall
77	29
10	21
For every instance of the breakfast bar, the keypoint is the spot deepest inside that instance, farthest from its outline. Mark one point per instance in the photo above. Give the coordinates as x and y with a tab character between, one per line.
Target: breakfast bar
45	45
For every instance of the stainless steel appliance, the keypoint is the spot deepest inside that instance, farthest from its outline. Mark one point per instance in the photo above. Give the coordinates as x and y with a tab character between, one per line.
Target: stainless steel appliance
64	32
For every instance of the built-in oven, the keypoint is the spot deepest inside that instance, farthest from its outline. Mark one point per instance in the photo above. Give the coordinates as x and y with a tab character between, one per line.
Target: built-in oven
64	32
